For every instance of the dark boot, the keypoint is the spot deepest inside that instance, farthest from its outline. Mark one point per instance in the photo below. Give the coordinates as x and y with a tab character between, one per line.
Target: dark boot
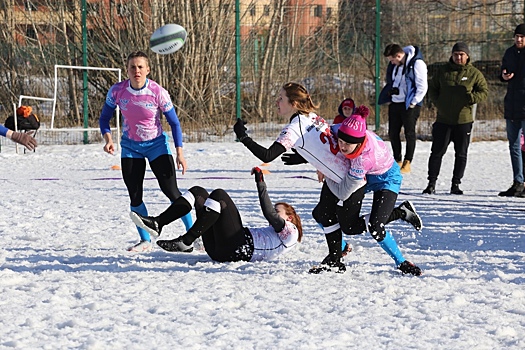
431	188
455	189
332	262
516	187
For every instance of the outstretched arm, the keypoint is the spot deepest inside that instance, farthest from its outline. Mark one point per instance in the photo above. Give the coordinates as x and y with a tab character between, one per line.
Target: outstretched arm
267	207
264	154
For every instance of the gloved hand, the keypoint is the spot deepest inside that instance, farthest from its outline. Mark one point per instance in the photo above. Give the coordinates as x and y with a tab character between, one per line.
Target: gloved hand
258	174
240	129
25	139
293	158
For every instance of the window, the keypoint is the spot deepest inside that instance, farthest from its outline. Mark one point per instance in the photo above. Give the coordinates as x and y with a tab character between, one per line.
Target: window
266	10
252	10
31	33
477	22
318	11
328	12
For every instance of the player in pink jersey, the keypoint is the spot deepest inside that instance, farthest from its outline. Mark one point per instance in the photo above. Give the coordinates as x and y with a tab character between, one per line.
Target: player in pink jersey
142	102
369	159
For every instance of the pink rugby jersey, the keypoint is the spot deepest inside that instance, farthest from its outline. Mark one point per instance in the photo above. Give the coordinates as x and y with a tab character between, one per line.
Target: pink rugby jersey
141	109
376	158
268	244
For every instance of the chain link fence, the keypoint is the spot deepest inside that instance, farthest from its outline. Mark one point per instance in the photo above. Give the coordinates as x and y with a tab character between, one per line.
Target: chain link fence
326	45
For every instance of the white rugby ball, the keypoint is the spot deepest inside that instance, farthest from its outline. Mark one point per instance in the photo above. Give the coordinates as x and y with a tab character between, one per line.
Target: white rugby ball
168	39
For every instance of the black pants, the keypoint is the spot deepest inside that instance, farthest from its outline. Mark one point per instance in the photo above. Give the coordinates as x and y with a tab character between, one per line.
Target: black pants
399	116
442	135
328	213
224	237
163	167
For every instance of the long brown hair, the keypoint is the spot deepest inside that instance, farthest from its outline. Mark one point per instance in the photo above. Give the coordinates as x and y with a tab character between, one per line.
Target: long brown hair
299	98
296	219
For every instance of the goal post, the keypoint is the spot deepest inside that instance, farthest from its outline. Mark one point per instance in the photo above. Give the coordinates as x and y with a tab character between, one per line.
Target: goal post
55	96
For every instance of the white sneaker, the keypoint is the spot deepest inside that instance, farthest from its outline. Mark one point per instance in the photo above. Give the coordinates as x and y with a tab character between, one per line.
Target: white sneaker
141	247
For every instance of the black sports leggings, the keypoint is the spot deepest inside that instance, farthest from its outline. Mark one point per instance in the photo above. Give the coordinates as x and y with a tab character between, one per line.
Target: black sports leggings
163	167
224	237
327	212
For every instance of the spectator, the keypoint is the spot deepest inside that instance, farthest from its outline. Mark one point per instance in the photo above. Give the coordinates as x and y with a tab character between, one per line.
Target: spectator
513	72
406	78
454	90
346	109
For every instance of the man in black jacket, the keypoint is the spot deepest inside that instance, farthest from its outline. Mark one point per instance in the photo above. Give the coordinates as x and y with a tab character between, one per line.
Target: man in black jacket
513	72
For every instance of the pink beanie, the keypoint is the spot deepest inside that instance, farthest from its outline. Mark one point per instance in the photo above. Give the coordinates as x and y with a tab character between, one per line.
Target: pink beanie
353	128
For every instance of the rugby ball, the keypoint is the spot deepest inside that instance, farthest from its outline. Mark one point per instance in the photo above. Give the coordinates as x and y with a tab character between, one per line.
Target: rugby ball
168	39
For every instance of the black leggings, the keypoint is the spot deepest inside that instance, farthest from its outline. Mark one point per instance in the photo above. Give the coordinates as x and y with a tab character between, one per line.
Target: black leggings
328	213
223	235
163	167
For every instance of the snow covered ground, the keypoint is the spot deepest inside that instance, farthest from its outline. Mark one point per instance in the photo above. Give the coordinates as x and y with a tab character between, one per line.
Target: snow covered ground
67	282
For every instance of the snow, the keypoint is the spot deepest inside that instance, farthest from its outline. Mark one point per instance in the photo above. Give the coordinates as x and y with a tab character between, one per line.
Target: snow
67	281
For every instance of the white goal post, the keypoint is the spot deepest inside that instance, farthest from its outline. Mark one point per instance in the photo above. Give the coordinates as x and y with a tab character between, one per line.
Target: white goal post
54	101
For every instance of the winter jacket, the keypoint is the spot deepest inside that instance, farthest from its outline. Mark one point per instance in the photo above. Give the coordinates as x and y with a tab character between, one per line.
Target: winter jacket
514	103
454	89
338	119
415	77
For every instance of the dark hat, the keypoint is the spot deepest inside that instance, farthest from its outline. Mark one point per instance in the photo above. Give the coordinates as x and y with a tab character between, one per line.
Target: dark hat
520	29
460	46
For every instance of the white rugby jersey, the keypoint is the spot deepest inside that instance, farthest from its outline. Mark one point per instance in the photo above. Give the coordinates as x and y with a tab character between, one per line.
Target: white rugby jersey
269	244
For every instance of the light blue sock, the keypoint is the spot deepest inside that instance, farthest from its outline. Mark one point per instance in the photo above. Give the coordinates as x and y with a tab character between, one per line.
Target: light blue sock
187	220
142	210
343	243
389	245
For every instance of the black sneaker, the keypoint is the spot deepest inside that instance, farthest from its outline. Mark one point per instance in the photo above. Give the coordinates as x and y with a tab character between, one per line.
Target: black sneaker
455	189
329	266
410	215
516	187
148	223
431	189
175	245
409	268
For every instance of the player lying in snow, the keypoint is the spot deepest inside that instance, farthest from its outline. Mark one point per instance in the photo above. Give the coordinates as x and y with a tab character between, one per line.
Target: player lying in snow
220	226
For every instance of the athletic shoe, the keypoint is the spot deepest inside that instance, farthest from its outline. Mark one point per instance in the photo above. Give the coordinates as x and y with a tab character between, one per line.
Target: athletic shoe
141	247
410	215
148	223
347	249
175	245
407	267
330	266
